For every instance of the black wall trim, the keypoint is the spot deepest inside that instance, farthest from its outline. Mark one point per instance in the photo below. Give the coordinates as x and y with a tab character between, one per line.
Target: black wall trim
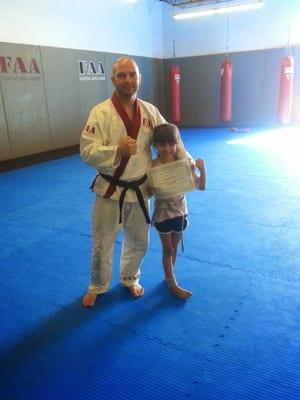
22	162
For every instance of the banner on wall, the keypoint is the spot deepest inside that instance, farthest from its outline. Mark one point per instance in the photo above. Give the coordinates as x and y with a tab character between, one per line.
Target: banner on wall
19	68
90	70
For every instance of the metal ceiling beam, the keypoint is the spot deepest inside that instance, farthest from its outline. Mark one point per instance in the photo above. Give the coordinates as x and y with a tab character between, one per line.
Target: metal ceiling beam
183	2
195	3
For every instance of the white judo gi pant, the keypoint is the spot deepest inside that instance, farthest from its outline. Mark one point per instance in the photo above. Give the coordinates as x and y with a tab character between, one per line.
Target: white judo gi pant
105	229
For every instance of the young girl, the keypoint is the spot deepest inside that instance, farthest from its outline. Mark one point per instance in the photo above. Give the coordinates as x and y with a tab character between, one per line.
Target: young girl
170	215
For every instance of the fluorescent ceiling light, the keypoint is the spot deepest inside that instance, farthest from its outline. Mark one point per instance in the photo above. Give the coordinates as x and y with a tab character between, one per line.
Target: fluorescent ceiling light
221	8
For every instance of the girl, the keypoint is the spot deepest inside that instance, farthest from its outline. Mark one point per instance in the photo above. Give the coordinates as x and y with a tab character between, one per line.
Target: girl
170	215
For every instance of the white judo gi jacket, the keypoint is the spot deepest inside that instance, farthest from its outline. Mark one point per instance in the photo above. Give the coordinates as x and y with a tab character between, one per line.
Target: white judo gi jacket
99	142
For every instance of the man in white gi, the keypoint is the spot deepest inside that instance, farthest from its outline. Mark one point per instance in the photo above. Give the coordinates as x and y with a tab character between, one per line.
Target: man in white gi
117	142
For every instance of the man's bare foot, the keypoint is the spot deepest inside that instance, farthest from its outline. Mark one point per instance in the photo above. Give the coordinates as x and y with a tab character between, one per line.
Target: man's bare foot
181	293
89	299
136	290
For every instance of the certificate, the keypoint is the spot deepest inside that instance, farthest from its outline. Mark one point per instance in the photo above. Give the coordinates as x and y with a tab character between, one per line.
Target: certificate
171	179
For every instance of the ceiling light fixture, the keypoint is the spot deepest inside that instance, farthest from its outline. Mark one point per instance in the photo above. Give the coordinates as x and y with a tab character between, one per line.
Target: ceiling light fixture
221	8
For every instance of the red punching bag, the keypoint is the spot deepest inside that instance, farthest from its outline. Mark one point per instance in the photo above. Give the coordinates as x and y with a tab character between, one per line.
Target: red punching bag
175	112
226	91
286	90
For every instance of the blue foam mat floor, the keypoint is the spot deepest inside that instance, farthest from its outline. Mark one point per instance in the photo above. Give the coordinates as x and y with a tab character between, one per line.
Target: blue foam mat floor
238	337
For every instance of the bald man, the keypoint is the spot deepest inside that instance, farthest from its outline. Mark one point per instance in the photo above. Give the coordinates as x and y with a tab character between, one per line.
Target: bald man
116	141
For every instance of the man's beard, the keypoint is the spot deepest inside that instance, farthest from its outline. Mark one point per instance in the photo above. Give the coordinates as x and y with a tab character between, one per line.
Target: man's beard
127	93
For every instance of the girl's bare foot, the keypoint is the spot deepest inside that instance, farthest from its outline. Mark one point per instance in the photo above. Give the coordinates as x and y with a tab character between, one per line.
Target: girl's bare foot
181	293
136	290
89	299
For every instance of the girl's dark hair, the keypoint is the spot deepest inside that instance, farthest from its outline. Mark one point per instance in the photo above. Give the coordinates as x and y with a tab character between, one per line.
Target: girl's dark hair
165	133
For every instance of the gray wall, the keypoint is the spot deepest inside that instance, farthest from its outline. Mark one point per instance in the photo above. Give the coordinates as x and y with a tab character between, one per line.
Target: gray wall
255	88
44	106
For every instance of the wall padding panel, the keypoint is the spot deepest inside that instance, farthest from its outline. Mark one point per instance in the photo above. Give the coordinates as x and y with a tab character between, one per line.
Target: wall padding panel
24	100
249	86
94	90
152	91
63	96
208	82
5	150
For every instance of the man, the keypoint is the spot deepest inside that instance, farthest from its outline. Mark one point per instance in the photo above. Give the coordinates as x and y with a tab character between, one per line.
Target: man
117	142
